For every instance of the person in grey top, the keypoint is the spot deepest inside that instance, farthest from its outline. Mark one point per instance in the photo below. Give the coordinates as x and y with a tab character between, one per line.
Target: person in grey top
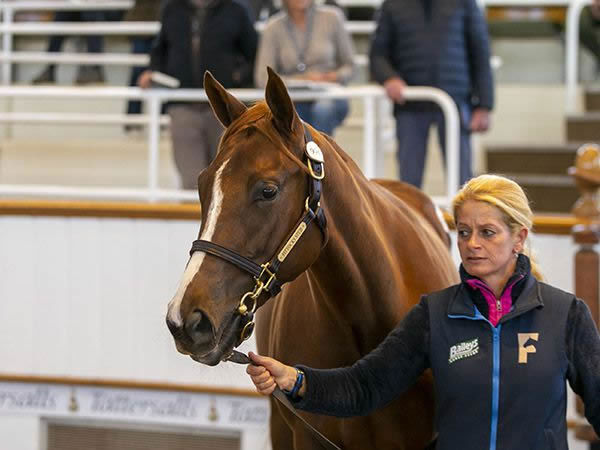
308	42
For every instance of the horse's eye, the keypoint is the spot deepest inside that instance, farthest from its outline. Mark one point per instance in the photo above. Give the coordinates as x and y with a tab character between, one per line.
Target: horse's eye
269	192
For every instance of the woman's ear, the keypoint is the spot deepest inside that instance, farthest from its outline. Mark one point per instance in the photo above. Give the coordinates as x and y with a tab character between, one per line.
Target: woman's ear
520	238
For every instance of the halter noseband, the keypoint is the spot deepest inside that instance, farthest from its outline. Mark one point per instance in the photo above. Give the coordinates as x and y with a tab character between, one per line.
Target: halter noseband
265	275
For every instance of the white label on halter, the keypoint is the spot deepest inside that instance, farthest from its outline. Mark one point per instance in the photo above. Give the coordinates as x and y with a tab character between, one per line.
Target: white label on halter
287	248
314	151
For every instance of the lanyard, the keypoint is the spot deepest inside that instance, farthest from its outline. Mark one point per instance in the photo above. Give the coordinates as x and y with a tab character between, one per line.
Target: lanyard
301	51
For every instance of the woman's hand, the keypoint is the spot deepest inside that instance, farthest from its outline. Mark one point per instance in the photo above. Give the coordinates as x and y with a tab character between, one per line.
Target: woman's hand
480	120
267	373
330	77
145	79
394	88
595	8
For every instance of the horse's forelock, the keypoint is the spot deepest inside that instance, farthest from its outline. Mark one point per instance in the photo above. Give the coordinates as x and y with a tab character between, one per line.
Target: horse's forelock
258	118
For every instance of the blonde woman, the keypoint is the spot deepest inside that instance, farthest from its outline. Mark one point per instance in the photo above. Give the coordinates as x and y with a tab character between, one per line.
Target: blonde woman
501	344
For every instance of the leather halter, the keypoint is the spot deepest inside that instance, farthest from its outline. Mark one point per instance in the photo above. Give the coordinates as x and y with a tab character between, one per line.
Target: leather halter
265	275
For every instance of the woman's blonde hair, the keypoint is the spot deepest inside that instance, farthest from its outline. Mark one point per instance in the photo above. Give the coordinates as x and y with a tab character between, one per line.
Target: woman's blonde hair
508	197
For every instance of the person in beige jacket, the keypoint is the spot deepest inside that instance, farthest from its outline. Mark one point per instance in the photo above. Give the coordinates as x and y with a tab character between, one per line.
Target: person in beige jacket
307	42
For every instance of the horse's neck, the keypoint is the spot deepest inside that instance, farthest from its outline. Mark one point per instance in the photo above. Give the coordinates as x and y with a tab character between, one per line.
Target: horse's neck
347	271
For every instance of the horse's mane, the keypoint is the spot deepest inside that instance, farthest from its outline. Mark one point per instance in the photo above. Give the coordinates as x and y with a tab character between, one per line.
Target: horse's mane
258	118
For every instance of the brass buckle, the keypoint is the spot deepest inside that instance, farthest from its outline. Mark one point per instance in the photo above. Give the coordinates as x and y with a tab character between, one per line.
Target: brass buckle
307	208
314	175
265	284
260	286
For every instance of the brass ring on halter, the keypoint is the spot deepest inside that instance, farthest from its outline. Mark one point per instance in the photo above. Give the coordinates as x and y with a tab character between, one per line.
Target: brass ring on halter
243	308
247	331
314	175
307	208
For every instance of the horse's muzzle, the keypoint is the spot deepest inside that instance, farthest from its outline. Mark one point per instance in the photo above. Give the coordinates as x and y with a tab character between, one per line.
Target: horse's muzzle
196	334
196	338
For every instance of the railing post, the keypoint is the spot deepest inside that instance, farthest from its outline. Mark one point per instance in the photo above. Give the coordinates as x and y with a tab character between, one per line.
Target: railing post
572	52
7	43
586	235
153	103
369	137
381	115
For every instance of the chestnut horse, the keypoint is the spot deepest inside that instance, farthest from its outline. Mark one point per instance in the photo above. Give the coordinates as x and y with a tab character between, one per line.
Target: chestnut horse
354	256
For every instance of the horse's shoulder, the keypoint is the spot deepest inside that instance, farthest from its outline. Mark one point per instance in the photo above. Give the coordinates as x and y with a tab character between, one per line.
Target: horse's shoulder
419	202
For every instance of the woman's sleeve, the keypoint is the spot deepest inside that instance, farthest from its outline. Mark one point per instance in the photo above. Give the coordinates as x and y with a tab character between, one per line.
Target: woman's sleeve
583	353
159	48
380	53
377	378
344	50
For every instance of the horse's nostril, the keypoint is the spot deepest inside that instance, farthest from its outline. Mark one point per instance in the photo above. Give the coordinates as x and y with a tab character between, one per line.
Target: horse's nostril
199	328
175	329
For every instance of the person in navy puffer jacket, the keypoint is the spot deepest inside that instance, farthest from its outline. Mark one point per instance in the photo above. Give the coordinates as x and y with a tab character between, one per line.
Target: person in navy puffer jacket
442	44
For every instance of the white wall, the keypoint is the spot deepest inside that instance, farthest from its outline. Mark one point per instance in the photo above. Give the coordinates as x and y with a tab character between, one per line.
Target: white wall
87	297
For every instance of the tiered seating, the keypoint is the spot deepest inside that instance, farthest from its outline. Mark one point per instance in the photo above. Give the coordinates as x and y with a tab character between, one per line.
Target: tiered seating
542	170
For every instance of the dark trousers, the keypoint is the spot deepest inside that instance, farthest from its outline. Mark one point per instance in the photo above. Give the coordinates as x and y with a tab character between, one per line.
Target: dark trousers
412	132
95	44
195	135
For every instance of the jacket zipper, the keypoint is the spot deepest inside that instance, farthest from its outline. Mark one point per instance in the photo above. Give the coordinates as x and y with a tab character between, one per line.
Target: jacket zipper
495	373
495	385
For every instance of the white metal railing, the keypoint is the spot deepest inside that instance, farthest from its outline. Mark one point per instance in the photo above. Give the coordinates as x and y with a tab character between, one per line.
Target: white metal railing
371	95
8	9
574	8
572	52
8	29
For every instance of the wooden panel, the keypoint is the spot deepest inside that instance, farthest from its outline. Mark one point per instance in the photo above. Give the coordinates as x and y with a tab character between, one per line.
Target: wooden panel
127	384
584	128
592	101
554	14
66	437
177	211
171	212
522	161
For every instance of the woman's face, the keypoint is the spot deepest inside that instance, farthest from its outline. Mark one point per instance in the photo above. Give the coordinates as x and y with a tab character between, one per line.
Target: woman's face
298	5
486	245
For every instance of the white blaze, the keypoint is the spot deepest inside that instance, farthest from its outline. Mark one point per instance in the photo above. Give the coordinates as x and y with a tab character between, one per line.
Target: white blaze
195	262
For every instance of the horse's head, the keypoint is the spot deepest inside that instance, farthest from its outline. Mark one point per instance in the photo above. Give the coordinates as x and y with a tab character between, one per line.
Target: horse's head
259	197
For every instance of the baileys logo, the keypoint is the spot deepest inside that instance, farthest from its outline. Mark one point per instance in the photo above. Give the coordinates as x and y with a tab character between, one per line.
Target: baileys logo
463	350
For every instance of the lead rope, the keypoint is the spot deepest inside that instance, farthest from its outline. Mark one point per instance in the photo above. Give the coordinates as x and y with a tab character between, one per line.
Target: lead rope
241	358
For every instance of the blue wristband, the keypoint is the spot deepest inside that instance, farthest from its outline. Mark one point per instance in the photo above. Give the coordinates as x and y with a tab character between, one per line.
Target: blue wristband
293	393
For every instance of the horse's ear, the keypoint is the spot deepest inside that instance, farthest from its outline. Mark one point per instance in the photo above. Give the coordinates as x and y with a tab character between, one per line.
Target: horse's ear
280	103
227	108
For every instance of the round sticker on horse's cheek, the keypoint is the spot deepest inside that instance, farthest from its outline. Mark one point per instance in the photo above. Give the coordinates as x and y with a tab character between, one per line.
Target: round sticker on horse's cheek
314	152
